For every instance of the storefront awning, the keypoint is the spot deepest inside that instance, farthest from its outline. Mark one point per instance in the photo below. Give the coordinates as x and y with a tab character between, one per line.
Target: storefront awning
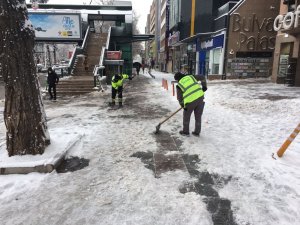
201	35
142	37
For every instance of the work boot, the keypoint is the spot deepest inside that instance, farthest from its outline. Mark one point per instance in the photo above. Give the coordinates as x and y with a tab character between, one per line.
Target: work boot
184	133
111	103
195	134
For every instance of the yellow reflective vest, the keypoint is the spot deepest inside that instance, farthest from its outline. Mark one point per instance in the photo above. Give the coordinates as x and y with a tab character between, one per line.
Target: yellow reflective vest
190	88
119	83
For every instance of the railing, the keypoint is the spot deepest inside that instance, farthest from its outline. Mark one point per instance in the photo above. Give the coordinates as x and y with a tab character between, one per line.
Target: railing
87	34
78	50
98	76
108	38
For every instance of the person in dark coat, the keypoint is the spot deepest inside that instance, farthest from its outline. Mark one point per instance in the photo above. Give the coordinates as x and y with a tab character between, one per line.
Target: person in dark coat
190	95
152	63
137	66
52	80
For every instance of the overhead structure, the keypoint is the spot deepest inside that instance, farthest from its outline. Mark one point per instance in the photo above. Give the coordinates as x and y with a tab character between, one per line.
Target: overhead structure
74	23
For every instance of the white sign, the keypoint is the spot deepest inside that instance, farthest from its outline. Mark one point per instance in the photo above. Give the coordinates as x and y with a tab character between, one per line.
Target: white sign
56	26
288	21
207	44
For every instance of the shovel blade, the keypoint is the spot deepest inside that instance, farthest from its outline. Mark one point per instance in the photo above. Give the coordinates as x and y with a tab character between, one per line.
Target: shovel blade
157	129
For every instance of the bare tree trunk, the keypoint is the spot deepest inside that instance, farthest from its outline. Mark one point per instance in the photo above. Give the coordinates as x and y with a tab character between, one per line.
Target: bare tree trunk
26	128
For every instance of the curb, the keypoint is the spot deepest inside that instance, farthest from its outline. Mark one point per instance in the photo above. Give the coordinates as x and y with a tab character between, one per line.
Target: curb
47	167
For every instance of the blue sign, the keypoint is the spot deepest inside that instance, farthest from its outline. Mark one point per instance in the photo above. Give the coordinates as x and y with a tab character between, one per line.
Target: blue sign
209	44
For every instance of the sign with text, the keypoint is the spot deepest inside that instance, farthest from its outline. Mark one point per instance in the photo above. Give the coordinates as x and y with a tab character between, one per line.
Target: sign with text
53	26
215	42
288	21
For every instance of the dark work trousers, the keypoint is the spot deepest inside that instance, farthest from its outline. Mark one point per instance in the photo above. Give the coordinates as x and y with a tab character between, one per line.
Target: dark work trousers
114	93
52	96
196	107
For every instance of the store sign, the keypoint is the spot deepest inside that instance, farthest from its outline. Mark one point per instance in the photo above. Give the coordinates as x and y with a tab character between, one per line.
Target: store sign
207	44
215	42
255	33
287	21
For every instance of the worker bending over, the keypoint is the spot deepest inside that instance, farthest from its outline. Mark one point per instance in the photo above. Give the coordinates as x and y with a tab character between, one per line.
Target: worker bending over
117	88
190	95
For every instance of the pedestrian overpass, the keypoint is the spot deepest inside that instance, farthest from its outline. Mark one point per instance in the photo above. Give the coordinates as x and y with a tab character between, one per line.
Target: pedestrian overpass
78	24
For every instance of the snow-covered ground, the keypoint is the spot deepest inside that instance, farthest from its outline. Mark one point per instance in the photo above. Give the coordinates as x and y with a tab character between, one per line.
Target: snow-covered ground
244	122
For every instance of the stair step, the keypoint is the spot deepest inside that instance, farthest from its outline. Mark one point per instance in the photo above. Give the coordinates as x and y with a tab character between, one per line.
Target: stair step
83	81
75	89
72	92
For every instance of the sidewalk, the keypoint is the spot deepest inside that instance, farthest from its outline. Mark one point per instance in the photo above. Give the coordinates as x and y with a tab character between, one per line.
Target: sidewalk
132	176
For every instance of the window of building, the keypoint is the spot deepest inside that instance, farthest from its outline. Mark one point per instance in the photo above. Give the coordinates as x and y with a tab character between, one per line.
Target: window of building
291	5
216	60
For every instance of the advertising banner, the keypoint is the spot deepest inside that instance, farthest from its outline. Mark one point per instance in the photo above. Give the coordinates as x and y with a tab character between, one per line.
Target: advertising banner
53	26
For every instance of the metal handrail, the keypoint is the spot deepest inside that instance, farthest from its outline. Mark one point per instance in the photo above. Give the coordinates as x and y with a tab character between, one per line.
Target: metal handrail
108	38
100	64
72	57
77	50
102	56
85	37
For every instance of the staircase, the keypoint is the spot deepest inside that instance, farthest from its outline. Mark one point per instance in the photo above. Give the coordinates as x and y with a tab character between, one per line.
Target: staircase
82	81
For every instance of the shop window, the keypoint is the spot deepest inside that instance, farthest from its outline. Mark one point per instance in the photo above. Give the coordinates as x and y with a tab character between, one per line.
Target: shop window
216	60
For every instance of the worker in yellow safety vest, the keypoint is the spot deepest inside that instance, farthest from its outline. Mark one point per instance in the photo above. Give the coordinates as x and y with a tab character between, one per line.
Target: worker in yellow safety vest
190	95
117	88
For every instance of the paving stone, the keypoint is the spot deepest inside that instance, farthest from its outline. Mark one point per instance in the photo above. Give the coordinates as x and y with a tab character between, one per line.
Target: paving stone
164	163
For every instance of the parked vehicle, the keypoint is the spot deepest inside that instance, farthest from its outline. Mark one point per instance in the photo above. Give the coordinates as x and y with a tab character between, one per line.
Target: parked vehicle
39	67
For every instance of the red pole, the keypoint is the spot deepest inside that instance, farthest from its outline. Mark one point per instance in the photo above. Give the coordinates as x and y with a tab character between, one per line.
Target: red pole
173	89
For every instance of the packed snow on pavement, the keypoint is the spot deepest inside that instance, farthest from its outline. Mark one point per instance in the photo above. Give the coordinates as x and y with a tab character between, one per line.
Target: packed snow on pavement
243	123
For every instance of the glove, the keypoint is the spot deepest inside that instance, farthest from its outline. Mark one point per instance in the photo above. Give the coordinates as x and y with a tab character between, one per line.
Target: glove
182	105
204	88
130	78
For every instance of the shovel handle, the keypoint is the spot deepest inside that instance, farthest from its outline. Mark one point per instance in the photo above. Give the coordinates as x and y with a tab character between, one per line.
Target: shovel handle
170	116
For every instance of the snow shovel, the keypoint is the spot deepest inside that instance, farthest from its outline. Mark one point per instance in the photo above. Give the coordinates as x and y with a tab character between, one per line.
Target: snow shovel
158	126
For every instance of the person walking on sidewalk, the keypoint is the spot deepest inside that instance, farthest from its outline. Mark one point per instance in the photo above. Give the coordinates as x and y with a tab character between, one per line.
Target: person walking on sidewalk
52	80
117	88
152	64
190	95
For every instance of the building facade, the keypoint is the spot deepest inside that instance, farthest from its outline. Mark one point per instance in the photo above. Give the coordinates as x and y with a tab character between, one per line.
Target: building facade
152	43
147	43
286	65
251	39
223	38
164	35
192	23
